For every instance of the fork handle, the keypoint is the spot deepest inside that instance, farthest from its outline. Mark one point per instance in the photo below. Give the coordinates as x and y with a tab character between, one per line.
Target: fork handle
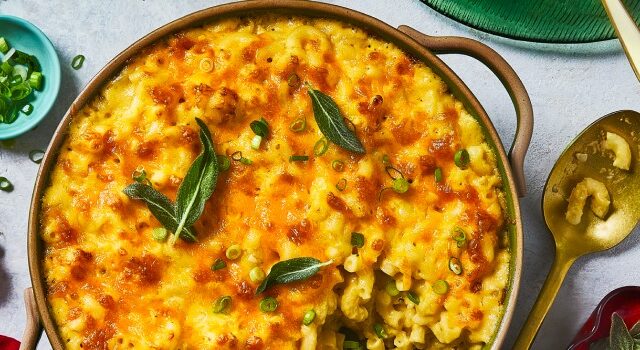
627	31
559	269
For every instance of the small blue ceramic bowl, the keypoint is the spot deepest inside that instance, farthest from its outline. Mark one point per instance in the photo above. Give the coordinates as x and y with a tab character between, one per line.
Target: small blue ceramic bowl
26	37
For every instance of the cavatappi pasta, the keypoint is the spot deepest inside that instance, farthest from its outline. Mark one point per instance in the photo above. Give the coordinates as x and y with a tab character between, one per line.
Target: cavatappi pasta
111	285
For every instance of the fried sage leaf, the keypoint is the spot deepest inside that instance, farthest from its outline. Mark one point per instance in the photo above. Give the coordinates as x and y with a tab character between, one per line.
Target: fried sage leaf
160	206
292	270
198	184
331	122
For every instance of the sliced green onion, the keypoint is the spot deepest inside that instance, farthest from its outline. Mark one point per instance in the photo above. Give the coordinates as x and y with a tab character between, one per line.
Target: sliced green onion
256	274
298	125
223	162
461	158
233	252
351	345
440	287
459	236
5	184
296	158
321	147
392	289
341	185
219	264
413	297
393	172
337	165
6	68
437	174
293	80
357	239
5	90
77	62
268	304
36	155
9	54
256	141
35	80
386	161
139	175
222	304
246	161
159	233
20	91
308	317
260	127
379	330
27	109
237	155
4	45
455	266
19	71
400	185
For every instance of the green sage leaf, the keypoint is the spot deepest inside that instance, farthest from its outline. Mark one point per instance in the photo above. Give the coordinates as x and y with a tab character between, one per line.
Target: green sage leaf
199	182
160	206
292	270
331	122
620	338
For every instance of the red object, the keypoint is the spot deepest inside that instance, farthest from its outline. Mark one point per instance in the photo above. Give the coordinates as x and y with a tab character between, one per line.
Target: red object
624	301
7	343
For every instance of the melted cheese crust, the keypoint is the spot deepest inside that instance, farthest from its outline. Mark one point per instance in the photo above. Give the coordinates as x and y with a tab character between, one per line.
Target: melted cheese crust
110	285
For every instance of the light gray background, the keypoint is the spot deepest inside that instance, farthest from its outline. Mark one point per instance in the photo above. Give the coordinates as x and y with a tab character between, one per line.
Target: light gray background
570	85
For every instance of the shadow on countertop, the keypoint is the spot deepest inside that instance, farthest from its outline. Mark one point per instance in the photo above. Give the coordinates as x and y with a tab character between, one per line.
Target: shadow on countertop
5	279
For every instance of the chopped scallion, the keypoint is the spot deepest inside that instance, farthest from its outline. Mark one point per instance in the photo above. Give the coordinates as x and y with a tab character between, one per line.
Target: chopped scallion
400	185
4	45
393	172
321	147
256	141
351	345
379	330
27	109
392	289
159	234
36	155
459	236
298	125
35	80
437	174
297	158
246	161
268	304
260	127
440	287
237	155
77	62
337	165
341	185
5	184
256	275
223	162
293	80
385	160
233	252
461	158
413	297
222	304
219	264
308	317
455	266
357	239
139	175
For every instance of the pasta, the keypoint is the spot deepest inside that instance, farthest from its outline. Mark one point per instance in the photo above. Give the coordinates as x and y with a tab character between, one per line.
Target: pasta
620	149
578	198
431	273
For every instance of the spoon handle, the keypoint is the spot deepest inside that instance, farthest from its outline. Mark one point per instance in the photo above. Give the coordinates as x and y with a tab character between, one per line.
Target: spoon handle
627	31
559	269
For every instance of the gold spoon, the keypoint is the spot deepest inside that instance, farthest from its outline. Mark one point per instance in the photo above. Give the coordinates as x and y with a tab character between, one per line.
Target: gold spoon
584	158
627	31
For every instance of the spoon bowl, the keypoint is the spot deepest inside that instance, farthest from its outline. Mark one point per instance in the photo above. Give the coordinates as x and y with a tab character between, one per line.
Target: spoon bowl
584	158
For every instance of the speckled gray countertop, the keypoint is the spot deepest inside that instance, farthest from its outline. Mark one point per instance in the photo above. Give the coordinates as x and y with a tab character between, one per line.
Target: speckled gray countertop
570	86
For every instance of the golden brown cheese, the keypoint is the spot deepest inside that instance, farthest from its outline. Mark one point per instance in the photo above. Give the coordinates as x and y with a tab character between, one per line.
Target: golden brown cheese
110	285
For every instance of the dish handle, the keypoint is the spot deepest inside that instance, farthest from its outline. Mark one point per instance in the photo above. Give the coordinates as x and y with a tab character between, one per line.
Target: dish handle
508	78
33	330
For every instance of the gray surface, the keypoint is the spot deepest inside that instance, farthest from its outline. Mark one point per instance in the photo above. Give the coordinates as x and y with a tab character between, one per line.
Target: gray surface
570	86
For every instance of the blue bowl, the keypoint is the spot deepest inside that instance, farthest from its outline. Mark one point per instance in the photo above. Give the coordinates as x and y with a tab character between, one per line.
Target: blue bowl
26	37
